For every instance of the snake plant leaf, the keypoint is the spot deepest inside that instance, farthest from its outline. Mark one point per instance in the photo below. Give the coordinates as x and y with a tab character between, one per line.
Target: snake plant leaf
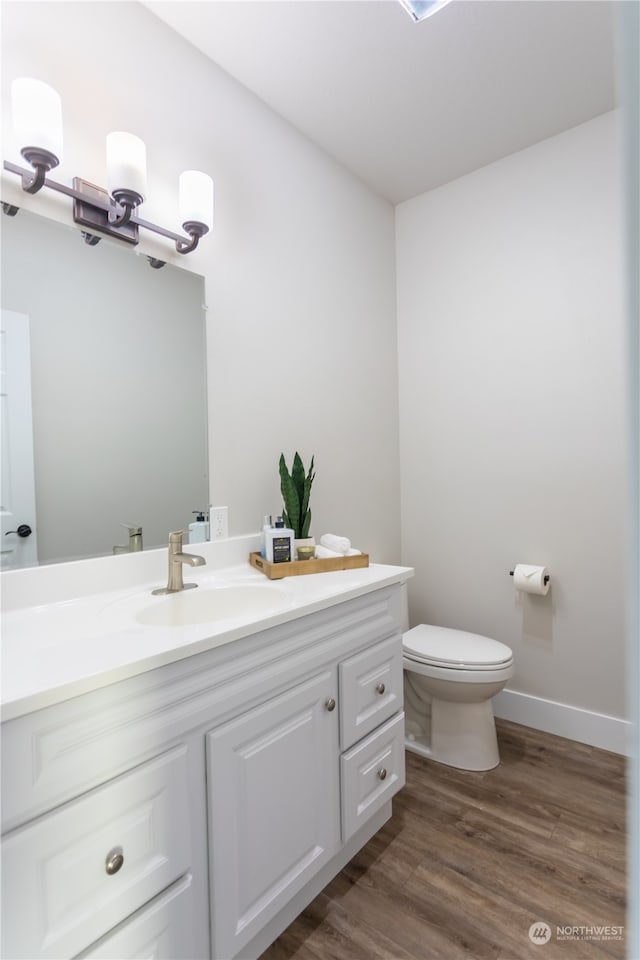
305	512
306	490
296	490
291	512
297	474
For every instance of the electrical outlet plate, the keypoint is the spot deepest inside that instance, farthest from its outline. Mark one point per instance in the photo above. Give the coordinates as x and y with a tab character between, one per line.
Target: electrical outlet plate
219	523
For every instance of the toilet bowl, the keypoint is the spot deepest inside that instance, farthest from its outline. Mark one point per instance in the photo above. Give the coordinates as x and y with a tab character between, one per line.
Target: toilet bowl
450	677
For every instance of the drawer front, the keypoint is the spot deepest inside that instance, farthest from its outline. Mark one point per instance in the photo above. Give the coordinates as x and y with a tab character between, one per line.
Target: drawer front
370	689
371	772
163	930
62	888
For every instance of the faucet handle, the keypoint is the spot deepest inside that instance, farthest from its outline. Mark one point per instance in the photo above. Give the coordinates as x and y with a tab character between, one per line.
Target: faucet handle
176	536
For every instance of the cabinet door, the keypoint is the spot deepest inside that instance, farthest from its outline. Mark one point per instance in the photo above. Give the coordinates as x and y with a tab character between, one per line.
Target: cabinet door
274	807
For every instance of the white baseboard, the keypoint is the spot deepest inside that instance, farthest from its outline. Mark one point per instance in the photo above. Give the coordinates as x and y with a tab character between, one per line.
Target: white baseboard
596	729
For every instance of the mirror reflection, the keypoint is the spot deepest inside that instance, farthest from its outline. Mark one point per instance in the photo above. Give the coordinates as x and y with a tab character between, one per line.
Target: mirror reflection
104	402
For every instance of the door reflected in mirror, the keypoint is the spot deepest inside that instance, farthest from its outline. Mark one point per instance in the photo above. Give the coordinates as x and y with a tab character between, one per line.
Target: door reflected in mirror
117	430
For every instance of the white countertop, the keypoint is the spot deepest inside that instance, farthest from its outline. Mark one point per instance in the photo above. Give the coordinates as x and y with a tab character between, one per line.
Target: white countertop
60	648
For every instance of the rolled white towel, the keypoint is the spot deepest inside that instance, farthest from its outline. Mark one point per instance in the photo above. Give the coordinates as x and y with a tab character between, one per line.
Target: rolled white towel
340	545
323	553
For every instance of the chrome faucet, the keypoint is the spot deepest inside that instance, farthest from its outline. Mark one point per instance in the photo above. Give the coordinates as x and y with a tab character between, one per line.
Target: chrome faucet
135	540
176	559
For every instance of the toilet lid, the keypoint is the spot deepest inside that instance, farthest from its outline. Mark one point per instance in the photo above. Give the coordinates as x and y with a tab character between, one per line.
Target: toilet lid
444	646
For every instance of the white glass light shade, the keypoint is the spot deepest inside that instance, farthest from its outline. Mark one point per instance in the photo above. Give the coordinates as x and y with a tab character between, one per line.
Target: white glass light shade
37	115
421	9
126	163
196	198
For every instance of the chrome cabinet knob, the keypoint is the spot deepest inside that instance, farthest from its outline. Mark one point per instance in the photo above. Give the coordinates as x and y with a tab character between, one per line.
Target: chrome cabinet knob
114	860
330	704
382	774
380	688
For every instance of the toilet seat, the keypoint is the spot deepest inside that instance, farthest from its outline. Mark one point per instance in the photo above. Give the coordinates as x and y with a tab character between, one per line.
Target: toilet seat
451	649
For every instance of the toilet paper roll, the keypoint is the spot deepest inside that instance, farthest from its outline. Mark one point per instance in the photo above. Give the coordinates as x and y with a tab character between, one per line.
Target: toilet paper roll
530	579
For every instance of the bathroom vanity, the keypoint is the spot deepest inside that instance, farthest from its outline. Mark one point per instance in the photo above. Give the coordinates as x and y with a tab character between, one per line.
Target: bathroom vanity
181	775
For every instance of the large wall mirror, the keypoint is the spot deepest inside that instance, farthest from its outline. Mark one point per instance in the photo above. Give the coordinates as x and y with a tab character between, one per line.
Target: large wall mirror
115	354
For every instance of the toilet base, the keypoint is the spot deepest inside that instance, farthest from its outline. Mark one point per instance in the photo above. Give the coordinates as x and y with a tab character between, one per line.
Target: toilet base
463	735
418	745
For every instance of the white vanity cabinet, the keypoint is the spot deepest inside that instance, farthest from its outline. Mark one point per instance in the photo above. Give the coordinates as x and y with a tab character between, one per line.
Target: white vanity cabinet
284	801
193	810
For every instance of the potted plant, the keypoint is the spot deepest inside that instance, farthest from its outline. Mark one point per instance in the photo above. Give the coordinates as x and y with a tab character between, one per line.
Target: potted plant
296	490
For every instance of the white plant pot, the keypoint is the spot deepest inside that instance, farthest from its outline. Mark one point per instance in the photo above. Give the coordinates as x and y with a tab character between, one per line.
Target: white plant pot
305	542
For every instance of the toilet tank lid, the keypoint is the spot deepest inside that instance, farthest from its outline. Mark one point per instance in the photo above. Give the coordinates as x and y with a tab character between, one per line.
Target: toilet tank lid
446	645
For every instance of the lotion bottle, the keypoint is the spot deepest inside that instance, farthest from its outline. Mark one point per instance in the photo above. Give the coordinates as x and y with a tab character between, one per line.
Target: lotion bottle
266	525
279	543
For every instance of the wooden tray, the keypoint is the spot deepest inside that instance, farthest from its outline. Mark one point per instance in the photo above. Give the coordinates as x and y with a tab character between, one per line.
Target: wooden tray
296	568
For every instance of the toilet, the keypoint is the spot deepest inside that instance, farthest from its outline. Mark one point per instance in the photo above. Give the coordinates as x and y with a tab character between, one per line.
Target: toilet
450	677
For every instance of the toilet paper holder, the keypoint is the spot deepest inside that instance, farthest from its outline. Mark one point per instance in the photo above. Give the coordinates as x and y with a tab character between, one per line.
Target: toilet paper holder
546	578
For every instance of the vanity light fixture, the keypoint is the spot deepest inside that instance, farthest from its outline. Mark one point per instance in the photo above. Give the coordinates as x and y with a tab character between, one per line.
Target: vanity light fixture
421	9
37	118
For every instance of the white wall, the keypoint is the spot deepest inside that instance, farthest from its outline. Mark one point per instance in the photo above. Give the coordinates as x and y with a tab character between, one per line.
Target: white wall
299	270
513	412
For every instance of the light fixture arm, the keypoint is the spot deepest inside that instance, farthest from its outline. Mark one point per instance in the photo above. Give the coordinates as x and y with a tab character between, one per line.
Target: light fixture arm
41	161
121	208
196	230
99	211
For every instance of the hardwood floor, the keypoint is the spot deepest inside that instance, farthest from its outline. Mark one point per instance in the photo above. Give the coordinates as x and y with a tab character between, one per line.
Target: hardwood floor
469	861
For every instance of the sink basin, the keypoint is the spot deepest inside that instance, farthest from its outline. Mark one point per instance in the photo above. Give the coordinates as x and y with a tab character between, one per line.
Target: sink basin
207	605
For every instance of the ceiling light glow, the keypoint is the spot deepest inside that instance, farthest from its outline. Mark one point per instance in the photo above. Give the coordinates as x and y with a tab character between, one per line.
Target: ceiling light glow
421	9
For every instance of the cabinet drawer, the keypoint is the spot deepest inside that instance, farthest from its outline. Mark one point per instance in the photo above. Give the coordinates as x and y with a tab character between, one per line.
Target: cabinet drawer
371	772
57	896
163	930
370	689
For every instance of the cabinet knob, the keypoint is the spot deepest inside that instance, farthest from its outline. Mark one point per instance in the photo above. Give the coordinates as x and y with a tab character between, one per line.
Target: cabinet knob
382	774
380	688
330	704
114	860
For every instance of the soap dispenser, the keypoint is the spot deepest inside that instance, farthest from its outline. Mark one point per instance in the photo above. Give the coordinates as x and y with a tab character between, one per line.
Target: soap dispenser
199	528
267	524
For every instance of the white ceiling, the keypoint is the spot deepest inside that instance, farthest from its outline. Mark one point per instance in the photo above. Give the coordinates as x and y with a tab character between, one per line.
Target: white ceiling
408	106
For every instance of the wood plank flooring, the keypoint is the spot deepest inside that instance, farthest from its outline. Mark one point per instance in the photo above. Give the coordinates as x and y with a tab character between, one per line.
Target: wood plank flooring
469	861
